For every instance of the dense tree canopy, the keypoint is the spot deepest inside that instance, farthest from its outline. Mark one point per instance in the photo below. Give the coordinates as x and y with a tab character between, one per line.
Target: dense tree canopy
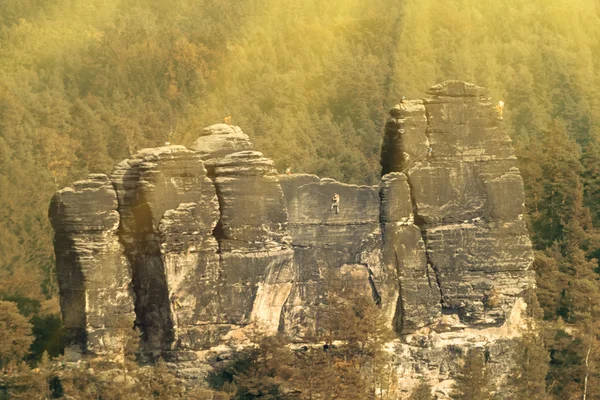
83	84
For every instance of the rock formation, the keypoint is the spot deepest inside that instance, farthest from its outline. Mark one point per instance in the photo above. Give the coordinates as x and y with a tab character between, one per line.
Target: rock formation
328	244
418	299
468	202
201	243
468	199
93	273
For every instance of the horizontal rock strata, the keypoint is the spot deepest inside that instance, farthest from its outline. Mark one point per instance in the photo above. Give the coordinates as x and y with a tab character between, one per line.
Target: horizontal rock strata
169	209
468	199
256	261
219	140
93	273
330	245
195	245
418	295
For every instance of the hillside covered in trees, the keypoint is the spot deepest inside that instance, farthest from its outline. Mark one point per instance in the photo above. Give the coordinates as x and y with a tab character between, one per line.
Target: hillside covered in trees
84	84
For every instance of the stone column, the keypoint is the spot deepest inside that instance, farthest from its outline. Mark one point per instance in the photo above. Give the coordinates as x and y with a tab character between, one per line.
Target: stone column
93	274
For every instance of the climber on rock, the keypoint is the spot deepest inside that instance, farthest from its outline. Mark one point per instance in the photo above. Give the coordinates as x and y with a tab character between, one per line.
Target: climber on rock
227	120
429	151
402	104
175	301
176	306
288	171
335	203
500	108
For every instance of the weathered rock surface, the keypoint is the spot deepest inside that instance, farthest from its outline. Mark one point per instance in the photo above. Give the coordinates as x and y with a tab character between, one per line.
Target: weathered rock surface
93	273
221	139
437	356
467	197
418	294
329	245
405	139
253	213
206	241
169	209
256	262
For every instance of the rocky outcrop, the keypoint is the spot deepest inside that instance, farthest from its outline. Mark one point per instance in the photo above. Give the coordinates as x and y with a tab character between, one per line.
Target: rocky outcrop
93	273
467	197
467	201
220	140
200	252
256	261
418	301
328	244
204	242
168	209
252	208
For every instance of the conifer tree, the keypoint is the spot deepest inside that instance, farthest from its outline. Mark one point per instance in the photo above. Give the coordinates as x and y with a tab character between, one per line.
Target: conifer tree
527	380
15	335
422	392
264	370
473	380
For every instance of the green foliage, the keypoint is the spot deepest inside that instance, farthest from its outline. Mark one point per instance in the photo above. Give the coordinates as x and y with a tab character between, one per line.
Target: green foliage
346	362
528	378
422	392
473	380
47	330
99	380
558	197
264	370
15	335
83	84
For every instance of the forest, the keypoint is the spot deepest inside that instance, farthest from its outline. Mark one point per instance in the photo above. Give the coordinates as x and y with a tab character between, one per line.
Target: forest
84	84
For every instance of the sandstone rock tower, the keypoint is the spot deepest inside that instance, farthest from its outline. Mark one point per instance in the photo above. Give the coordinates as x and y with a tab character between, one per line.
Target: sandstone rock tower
192	245
467	197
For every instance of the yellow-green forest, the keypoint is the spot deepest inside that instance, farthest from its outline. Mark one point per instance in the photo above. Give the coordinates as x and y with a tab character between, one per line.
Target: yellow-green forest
84	84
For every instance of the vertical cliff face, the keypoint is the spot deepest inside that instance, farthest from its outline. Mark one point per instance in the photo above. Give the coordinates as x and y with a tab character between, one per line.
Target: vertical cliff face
256	261
467	202
468	199
418	301
328	244
168	209
198	238
201	243
93	273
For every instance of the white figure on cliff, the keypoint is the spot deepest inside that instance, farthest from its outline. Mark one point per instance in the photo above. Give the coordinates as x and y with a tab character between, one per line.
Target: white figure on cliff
335	203
176	305
500	107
